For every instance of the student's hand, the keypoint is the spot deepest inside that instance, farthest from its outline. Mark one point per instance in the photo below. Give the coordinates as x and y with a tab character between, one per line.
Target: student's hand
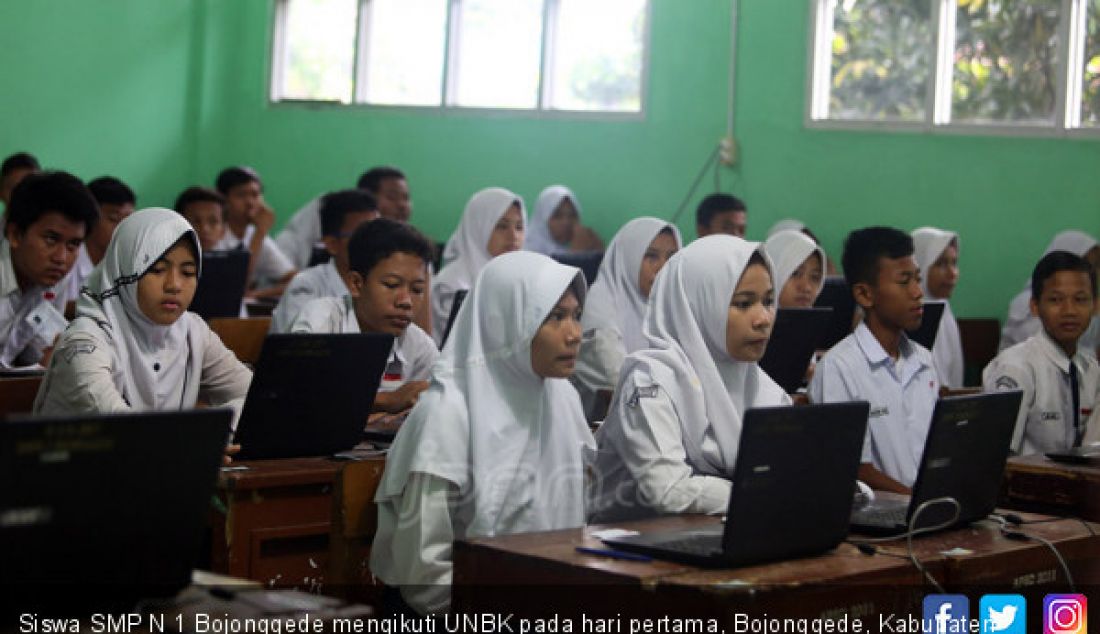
230	451
402	398
263	217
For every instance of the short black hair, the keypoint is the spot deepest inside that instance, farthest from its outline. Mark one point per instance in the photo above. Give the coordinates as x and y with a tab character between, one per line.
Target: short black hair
108	190
45	192
1054	262
231	177
715	204
864	247
377	240
336	205
19	161
193	195
371	180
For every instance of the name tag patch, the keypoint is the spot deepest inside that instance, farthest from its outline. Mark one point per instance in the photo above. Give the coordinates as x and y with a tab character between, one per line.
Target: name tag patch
1043	416
1006	383
876	412
649	391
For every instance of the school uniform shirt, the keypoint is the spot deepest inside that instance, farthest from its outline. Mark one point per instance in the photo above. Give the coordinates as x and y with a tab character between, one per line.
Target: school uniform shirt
902	395
929	244
413	355
112	358
19	344
82	268
674	427
491	448
313	283
467	251
271	266
613	313
1041	369
301	233
538	238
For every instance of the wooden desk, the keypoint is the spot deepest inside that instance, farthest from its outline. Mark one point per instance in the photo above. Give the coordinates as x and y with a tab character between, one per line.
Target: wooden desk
1037	483
354	523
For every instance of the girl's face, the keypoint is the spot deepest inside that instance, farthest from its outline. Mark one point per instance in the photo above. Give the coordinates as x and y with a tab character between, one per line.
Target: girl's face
802	287
943	275
508	233
656	256
751	315
563	222
555	346
165	291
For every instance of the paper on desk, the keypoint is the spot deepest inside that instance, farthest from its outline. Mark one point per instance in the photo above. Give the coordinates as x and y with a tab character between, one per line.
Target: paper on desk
612	533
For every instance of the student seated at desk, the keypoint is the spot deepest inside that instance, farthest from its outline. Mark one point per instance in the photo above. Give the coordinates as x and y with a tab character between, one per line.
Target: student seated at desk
799	268
133	345
1060	380
672	435
721	213
204	209
937	254
49	216
497	444
878	363
341	213
492	223
556	225
13	170
248	220
790	224
388	268
616	305
116	201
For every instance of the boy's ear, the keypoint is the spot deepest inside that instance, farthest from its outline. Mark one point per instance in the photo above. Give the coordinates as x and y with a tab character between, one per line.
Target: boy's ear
864	295
13	234
331	243
355	283
1034	306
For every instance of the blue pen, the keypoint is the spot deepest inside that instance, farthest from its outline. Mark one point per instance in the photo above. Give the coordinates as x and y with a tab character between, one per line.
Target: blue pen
613	554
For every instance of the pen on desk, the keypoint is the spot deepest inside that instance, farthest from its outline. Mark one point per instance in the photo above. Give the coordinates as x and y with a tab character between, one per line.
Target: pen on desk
613	554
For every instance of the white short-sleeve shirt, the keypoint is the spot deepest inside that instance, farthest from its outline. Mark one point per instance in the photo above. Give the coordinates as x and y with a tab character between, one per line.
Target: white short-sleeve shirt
271	264
315	282
20	345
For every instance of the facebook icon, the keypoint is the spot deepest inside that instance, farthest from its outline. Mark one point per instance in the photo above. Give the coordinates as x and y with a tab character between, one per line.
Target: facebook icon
946	613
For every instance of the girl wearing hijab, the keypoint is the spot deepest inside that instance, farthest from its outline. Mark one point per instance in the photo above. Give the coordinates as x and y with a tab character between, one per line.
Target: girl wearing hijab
497	444
937	254
492	223
675	422
1020	324
799	268
133	346
556	226
612	321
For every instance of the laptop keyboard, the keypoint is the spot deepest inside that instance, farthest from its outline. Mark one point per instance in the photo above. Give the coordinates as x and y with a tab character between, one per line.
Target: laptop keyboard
704	545
891	516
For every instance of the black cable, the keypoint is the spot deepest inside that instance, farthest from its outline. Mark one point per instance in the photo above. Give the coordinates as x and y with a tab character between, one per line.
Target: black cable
698	179
1018	535
912	531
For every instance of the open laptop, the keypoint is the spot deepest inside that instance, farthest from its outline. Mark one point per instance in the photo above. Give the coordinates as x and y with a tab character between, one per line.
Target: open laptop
925	334
456	305
99	511
964	459
787	499
311	394
795	336
221	287
836	294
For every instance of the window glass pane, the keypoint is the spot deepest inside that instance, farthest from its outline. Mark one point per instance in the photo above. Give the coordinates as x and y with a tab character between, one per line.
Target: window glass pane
1006	60
1090	92
405	48
882	59
319	50
498	54
598	55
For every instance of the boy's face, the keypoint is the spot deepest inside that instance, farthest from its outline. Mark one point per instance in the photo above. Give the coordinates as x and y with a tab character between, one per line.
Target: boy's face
385	299
731	222
207	219
1065	306
43	254
894	301
242	201
110	215
337	245
944	273
393	199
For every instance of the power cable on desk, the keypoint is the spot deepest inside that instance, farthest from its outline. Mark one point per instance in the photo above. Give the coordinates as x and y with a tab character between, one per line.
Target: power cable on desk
1018	535
908	535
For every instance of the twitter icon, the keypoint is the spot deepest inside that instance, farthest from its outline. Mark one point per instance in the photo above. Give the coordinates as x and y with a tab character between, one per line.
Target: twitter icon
1003	614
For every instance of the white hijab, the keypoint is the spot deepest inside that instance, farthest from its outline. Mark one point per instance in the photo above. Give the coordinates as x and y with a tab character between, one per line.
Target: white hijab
788	249
687	356
615	301
468	249
539	239
513	442
160	365
787	224
929	244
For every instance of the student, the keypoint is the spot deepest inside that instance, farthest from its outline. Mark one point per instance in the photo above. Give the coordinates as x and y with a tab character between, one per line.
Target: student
204	209
49	216
937	254
616	305
116	201
790	224
497	444
341	213
671	438
388	267
556	226
721	213
799	268
248	220
1021	323
13	170
133	346
1060	380
492	223
878	363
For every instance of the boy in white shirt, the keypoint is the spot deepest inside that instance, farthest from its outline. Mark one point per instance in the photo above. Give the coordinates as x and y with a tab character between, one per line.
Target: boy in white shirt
1060	379
248	220
116	202
878	363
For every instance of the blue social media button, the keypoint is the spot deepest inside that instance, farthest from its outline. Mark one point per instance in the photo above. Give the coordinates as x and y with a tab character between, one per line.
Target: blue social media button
946	613
1003	614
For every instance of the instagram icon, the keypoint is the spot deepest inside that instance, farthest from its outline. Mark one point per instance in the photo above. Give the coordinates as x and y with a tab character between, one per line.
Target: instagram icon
1065	614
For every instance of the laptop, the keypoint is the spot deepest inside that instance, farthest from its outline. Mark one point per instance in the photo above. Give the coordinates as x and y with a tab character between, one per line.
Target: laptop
964	459
221	288
795	336
925	334
587	261
311	394
99	511
835	294
786	500
456	305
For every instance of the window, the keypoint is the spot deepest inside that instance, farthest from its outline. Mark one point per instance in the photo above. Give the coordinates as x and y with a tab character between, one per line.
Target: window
560	55
956	63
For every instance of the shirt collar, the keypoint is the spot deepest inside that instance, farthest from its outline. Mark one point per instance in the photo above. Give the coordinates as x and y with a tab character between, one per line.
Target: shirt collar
909	363
332	279
1054	352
